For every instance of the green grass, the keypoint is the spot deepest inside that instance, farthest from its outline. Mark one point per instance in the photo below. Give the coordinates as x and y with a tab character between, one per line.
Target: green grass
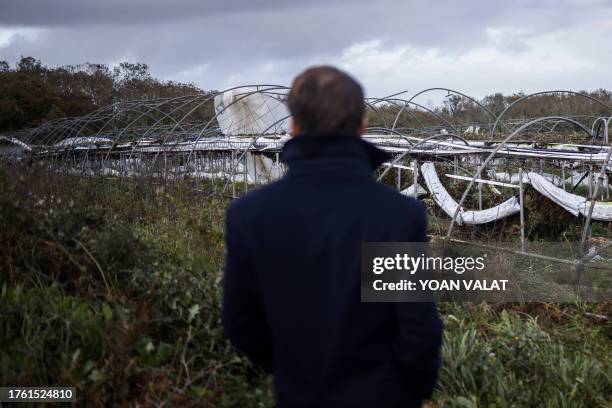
552	357
114	287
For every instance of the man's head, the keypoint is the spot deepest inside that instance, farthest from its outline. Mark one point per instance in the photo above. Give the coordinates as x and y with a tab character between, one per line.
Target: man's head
326	100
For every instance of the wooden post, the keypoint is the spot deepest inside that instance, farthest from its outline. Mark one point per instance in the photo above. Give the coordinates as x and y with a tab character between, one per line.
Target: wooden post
277	167
246	173
563	174
213	174
234	166
415	173
399	179
254	168
542	166
590	179
522	204
607	180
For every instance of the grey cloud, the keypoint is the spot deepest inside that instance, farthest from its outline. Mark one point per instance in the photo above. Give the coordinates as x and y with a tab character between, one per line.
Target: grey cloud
44	13
236	39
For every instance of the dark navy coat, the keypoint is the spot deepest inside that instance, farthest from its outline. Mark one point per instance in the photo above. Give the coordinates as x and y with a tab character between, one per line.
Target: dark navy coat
292	282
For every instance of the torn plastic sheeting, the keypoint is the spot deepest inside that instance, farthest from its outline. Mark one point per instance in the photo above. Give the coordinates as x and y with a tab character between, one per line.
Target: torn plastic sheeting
82	141
262	168
556	180
410	191
240	112
514	177
449	205
575	204
16	142
577	177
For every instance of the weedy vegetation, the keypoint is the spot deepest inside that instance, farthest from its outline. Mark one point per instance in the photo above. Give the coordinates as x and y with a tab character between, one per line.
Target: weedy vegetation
113	286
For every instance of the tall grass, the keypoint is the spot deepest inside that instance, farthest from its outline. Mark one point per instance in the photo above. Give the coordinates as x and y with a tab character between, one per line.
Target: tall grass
113	286
549	357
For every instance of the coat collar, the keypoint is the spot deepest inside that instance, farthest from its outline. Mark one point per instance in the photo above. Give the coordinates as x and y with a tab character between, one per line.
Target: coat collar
329	146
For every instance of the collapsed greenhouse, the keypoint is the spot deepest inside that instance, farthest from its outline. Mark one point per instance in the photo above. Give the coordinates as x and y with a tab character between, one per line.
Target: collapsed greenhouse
231	141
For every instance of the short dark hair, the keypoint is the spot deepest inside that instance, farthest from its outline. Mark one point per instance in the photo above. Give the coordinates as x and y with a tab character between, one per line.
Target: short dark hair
325	99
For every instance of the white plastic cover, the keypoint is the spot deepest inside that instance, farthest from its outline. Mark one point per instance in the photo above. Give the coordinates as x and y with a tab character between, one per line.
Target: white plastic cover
584	180
449	205
262	168
410	191
16	142
573	203
514	177
83	141
244	111
572	180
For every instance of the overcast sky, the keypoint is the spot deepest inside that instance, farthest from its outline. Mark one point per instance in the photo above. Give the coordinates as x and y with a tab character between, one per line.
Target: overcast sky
475	46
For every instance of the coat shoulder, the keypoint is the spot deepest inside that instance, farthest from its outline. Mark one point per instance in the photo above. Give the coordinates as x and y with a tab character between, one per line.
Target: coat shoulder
252	201
393	199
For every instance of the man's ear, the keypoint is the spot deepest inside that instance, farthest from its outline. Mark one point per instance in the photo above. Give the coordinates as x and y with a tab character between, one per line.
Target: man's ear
364	125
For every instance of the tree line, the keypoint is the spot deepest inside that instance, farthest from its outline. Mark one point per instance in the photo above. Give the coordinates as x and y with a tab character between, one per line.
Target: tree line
32	93
459	110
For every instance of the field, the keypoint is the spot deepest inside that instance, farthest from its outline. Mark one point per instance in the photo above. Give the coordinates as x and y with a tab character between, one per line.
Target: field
113	286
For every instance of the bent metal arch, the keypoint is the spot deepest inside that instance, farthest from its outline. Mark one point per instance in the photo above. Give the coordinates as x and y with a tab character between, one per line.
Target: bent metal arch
131	138
504	143
523	98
